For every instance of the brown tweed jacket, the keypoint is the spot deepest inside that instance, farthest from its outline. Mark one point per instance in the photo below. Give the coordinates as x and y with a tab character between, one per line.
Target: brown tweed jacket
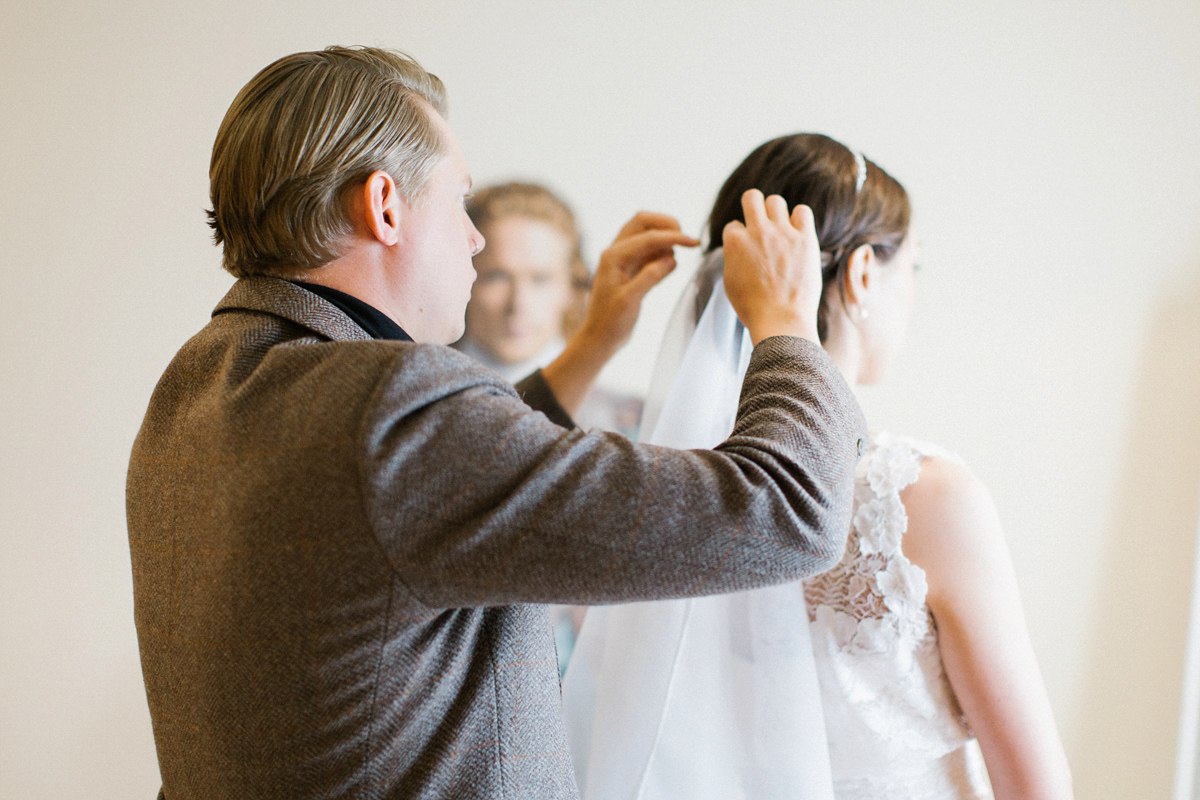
340	544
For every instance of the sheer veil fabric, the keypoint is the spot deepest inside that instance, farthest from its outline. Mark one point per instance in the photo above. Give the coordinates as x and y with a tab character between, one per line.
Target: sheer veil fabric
708	698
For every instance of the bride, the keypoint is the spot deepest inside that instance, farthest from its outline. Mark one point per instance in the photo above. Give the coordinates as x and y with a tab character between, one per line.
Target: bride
875	679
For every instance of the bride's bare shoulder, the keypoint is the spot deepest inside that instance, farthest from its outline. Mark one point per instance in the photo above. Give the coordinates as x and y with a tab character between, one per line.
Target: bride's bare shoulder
954	531
945	489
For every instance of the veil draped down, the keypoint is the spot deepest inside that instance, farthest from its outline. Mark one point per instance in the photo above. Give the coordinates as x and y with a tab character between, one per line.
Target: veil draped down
708	698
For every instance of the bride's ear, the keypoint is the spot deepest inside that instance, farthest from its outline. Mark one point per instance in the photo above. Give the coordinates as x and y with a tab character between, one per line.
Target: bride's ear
856	280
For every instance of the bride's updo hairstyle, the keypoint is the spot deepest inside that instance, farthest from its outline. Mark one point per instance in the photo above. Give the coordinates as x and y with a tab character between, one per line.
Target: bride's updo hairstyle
823	174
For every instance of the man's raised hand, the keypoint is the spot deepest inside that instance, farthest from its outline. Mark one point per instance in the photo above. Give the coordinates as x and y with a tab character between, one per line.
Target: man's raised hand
637	260
773	268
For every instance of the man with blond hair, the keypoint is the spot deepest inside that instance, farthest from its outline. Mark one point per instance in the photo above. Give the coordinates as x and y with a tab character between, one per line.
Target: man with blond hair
342	530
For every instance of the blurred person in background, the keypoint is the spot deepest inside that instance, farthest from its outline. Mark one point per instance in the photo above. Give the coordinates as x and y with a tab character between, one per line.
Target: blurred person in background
530	293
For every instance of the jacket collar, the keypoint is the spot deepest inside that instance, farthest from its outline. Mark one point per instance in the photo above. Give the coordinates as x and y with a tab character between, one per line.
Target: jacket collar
289	301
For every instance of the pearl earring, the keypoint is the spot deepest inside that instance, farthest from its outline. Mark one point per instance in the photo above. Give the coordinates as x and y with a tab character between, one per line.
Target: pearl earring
862	313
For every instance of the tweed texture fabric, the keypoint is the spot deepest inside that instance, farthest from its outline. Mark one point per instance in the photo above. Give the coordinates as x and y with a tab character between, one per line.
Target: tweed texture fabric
340	547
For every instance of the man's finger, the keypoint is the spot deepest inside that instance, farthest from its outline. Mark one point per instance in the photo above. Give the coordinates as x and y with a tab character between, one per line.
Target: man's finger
651	275
648	220
733	230
632	251
777	210
802	218
754	210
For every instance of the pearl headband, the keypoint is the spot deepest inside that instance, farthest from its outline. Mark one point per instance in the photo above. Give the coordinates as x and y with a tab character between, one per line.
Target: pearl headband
861	163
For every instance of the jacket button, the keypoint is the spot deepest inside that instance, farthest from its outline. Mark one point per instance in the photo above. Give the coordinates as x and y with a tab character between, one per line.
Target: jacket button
862	447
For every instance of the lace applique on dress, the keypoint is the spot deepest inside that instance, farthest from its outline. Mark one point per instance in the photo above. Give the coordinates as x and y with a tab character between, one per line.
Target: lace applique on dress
895	728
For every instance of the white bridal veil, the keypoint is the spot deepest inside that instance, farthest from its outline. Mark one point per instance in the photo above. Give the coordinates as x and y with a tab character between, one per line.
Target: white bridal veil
712	698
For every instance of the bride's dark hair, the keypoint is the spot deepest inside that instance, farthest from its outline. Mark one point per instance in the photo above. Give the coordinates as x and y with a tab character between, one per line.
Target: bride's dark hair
821	173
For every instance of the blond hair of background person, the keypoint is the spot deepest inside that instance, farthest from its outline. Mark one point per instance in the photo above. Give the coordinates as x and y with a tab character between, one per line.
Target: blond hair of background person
342	531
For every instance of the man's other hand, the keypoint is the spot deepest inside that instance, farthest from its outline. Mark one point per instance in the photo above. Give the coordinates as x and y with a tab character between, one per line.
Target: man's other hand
637	260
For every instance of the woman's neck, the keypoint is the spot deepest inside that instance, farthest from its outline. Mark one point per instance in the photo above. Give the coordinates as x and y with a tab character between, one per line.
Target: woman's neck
844	348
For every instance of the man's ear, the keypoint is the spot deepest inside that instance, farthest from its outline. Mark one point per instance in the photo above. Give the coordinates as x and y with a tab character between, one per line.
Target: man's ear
856	281
382	207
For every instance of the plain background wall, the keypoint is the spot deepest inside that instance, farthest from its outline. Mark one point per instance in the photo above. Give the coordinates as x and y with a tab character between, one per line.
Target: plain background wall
1050	151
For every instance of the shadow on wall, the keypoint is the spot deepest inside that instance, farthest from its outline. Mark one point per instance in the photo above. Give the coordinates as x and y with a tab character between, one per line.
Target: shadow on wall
1130	709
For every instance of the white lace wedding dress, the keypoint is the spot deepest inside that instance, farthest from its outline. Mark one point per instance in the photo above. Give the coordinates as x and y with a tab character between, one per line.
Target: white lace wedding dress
894	727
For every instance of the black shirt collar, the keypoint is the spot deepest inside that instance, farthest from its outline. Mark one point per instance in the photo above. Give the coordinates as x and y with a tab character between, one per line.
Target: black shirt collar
367	317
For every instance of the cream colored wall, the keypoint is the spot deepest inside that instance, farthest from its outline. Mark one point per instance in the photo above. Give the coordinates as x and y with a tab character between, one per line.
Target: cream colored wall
1051	152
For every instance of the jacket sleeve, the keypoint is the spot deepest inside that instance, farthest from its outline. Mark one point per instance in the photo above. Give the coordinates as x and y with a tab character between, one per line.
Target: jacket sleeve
478	501
538	395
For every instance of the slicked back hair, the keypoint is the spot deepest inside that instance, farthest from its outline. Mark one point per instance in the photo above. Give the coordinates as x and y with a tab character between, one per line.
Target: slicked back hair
302	133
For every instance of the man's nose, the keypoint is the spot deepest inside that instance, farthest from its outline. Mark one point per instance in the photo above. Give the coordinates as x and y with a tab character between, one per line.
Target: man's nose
475	238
